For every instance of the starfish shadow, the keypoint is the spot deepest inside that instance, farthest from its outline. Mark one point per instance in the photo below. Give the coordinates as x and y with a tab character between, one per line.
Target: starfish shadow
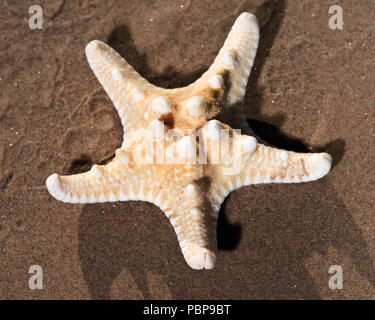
228	234
120	39
284	232
116	237
270	16
281	234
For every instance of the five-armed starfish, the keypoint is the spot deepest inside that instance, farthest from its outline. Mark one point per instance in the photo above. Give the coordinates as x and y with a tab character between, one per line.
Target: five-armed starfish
189	191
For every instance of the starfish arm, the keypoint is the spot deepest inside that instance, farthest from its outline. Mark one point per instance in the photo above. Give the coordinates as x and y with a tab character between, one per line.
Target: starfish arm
271	165
125	86
79	188
112	182
236	58
194	220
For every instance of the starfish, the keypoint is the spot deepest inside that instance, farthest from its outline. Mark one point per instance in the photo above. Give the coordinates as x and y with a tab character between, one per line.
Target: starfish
192	160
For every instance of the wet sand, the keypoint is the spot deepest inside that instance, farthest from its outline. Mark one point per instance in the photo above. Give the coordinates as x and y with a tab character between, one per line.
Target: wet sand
312	89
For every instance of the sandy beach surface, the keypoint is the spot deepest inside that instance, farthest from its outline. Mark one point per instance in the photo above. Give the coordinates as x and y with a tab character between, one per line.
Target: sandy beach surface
311	89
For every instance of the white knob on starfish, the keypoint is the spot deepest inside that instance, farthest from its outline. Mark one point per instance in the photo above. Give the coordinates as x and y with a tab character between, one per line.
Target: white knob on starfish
186	148
156	127
212	129
249	144
196	106
161	105
192	191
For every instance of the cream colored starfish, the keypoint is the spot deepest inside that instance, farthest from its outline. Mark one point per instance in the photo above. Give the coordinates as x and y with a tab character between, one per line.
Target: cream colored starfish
186	173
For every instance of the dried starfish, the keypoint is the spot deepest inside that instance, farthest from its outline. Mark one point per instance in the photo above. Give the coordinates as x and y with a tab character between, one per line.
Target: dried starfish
189	192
